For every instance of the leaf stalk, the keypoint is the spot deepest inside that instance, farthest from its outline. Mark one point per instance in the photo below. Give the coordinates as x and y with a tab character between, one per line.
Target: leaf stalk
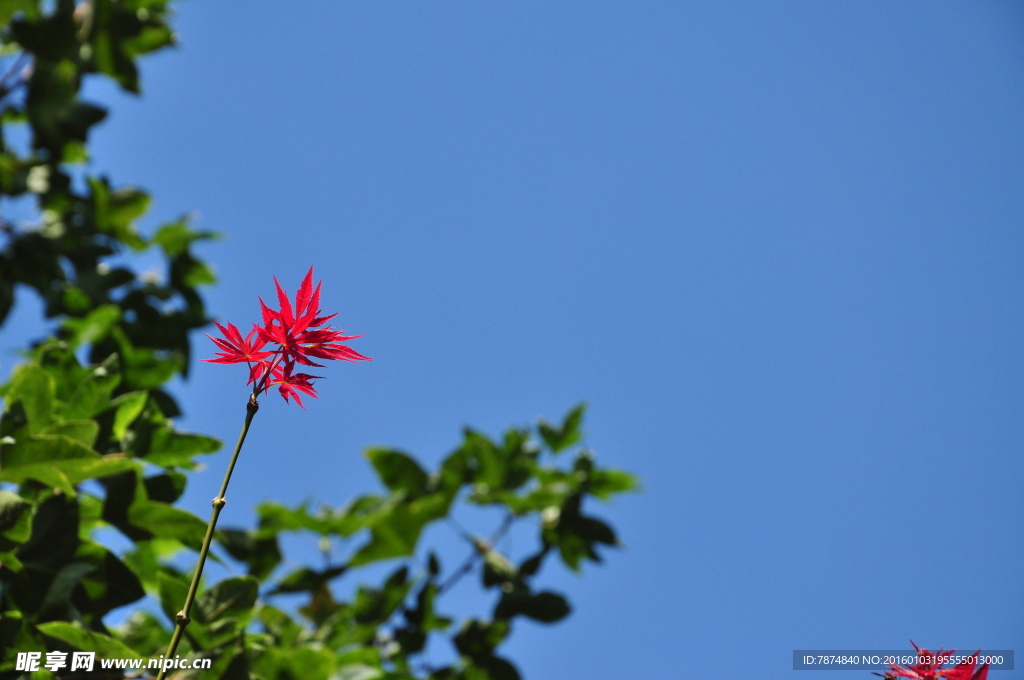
182	619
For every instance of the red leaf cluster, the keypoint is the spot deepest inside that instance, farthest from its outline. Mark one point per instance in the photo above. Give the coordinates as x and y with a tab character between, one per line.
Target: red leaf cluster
930	667
290	335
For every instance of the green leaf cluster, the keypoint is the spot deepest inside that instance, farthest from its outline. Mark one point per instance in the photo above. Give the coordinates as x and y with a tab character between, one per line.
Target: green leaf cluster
73	254
384	631
78	453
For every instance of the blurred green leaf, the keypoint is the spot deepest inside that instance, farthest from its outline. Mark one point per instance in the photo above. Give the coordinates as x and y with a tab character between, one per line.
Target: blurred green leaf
128	407
88	640
261	554
143	633
395	532
232	600
606	483
82	431
176	237
166	521
546	607
109	584
93	327
308	663
168	447
35	388
115	210
15	517
166	487
173	588
307	580
92	393
8	8
560	438
398	471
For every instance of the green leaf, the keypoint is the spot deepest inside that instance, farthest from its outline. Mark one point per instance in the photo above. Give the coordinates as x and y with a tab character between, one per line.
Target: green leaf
129	407
15	517
56	603
531	565
110	584
92	394
10	561
171	448
396	528
198	274
64	474
261	554
484	460
173	589
54	537
44	448
423	618
143	632
35	388
286	632
93	327
144	368
8	8
306	579
87	640
358	671
398	471
606	483
176	237
58	461
167	521
231	599
477	639
375	606
166	487
115	211
546	607
561	438
82	431
355	515
275	517
307	663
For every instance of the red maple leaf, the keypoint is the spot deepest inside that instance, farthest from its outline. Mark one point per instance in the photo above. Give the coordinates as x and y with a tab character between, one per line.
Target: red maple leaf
930	667
295	334
296	330
290	384
236	348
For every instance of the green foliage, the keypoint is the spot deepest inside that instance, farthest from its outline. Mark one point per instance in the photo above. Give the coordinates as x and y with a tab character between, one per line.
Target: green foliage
143	318
88	443
63	426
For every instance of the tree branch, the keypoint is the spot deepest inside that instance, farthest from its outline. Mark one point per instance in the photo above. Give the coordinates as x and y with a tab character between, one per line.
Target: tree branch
481	549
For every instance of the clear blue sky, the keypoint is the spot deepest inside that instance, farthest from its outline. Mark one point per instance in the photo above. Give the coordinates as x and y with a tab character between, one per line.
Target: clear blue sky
776	246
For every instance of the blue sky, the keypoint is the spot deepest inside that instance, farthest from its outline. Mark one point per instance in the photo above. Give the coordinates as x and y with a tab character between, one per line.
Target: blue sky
776	246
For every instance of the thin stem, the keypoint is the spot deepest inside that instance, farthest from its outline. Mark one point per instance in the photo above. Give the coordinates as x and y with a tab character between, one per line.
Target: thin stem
261	383
182	619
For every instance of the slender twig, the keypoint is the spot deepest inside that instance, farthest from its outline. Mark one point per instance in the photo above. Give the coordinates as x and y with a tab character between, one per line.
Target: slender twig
480	549
16	66
182	619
